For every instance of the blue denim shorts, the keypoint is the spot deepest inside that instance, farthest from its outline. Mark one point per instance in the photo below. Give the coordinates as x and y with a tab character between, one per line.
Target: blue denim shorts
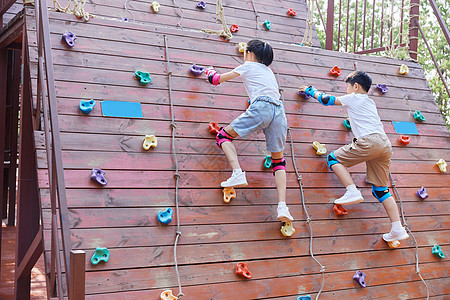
267	115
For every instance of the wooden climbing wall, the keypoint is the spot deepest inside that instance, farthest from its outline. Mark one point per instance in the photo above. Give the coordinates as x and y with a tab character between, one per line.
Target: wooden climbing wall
215	235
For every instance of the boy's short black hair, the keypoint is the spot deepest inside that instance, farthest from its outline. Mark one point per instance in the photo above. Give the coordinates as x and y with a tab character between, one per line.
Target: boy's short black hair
262	51
360	77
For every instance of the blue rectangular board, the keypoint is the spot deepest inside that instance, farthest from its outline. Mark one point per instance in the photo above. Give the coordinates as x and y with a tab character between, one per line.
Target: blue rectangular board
122	109
405	127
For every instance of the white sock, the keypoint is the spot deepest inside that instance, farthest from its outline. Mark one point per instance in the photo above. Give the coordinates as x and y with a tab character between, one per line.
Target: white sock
281	203
351	188
237	171
397	226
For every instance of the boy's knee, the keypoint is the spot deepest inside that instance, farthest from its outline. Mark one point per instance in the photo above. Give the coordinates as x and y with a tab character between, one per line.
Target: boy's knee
381	193
331	160
278	164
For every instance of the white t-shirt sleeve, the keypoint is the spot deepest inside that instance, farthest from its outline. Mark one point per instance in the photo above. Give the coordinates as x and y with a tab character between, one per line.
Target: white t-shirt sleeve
345	99
241	69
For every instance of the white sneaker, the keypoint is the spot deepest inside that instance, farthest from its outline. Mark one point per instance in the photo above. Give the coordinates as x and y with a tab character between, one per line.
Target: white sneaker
235	180
396	235
350	198
283	213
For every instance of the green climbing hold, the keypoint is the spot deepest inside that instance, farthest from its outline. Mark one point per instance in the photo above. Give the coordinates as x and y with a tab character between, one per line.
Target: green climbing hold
437	250
143	77
347	124
268	162
418	116
100	254
267	24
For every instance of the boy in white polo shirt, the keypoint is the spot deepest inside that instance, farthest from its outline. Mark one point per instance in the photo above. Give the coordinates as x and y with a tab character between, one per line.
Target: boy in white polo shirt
370	145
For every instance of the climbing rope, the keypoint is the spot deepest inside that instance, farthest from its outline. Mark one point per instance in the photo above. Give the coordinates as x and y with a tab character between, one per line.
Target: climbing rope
299	181
220	14
397	195
307	38
125	5
181	14
173	127
258	29
78	9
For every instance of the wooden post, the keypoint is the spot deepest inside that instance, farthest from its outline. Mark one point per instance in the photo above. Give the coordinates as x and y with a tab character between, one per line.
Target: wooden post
330	29
413	28
77	275
3	79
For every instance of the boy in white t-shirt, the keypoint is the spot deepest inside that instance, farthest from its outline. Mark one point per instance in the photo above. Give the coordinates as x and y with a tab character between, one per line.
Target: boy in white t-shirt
370	145
266	113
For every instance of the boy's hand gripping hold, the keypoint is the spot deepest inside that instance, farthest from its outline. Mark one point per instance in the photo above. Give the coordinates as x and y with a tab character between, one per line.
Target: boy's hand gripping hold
323	98
213	76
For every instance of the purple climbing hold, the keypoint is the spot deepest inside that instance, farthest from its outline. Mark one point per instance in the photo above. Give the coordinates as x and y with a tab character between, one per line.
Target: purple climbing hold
69	38
201	4
360	278
98	175
125	19
304	95
196	70
382	88
422	193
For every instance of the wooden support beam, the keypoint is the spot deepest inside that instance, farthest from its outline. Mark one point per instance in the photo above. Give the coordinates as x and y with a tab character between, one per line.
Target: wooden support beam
3	85
77	275
5	5
31	257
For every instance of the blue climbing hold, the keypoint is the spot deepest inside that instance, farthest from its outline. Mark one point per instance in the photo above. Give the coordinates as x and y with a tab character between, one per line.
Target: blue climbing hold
437	250
307	297
165	216
87	106
268	162
100	254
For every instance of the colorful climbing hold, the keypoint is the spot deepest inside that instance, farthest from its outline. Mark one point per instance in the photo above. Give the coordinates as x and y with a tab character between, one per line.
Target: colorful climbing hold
287	229
360	278
422	193
307	297
393	244
167	295
382	88
321	149
100	254
234	28
150	141
437	250
201	5
403	69
242	47
404	139
242	269
347	124
335	71
196	70
87	106
339	210
418	116
291	12
155	6
267	24
213	128
98	175
125	19
442	165
69	38
268	162
228	194
304	95
143	77
165	216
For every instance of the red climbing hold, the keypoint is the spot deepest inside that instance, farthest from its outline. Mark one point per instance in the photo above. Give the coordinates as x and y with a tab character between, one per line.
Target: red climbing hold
404	139
214	128
335	71
234	28
291	12
339	210
242	269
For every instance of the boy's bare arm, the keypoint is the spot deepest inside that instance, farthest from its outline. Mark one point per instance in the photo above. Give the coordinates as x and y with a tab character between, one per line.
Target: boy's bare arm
319	96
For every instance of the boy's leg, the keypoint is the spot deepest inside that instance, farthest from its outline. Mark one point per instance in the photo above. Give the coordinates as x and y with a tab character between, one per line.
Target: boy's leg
238	177
343	174
279	171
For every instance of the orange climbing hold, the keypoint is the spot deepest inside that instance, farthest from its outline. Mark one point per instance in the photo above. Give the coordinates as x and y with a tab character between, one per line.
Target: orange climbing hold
339	210
242	269
234	28
214	128
291	12
404	139
228	194
335	71
167	295
394	244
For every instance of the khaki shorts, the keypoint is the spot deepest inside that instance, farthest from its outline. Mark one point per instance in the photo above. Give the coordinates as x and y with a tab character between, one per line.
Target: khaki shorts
375	149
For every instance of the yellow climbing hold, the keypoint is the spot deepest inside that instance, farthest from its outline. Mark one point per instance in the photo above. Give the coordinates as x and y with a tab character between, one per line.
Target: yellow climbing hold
394	244
242	47
228	194
287	229
321	149
155	6
150	141
442	165
403	69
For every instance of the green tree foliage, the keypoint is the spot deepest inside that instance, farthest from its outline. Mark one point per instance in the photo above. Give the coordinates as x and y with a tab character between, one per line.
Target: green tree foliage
390	27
